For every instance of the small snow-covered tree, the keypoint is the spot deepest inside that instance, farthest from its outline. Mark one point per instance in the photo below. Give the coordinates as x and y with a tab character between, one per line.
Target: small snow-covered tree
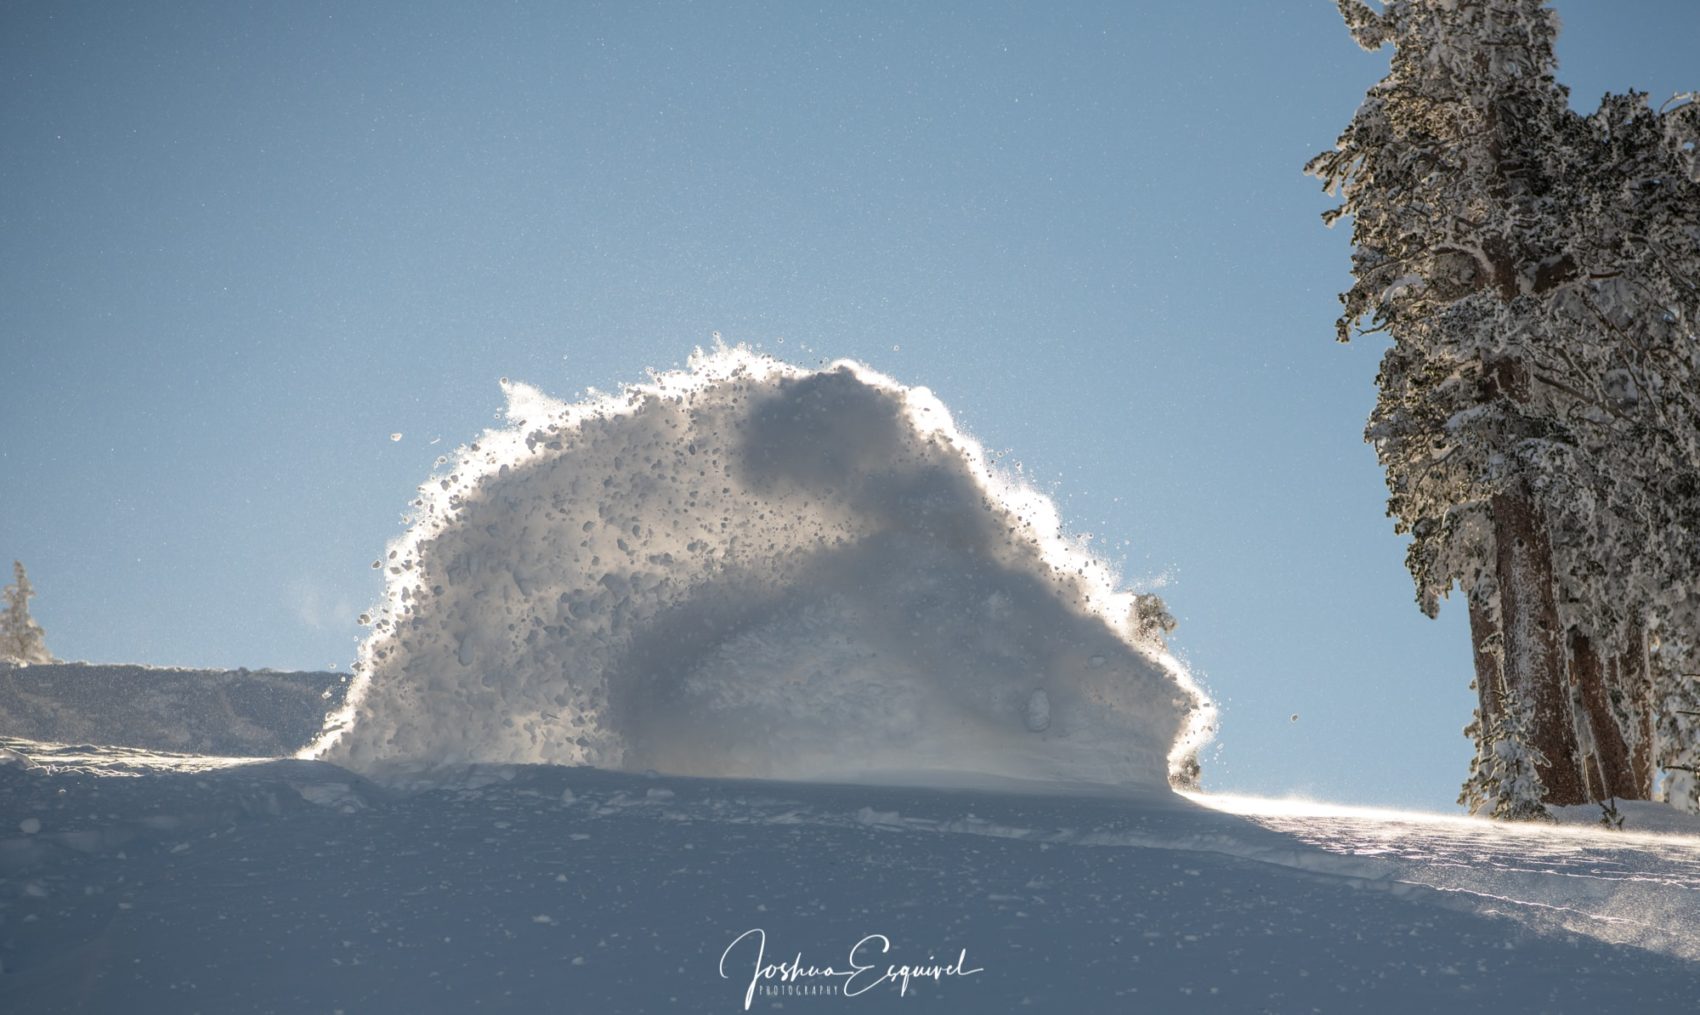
1538	272
21	638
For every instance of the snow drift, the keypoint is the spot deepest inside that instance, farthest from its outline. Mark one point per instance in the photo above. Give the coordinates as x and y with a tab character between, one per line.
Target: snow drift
747	568
259	713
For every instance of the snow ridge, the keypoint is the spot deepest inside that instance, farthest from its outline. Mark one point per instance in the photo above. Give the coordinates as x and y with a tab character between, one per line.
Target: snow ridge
745	568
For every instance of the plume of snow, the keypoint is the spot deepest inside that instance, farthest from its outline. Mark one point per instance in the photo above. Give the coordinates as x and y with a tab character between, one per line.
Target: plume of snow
748	568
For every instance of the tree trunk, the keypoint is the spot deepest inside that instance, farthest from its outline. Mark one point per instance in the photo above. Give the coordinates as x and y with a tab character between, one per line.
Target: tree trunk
1564	680
1634	679
1532	649
1608	769
1490	687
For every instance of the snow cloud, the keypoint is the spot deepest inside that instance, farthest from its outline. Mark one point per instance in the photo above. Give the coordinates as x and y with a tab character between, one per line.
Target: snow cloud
749	569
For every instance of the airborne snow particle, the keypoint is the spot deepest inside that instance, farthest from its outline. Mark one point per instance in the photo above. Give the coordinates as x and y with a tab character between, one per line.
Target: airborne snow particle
395	437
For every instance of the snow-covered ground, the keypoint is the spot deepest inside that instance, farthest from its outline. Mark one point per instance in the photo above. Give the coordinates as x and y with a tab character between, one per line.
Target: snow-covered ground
144	882
749	569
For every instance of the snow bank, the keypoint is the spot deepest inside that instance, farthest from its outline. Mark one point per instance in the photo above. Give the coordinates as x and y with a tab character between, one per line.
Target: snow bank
746	568
224	712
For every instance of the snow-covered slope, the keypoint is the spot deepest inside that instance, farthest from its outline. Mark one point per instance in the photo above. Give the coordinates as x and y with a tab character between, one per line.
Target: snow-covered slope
261	713
296	886
749	569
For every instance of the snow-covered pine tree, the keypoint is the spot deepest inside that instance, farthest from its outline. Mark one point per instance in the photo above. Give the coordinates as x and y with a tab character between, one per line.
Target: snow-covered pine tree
1538	272
21	638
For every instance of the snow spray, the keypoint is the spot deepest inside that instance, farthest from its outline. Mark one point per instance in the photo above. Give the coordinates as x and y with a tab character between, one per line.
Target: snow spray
745	568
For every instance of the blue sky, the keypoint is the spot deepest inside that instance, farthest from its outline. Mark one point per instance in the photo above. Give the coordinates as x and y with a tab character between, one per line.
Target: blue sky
240	245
